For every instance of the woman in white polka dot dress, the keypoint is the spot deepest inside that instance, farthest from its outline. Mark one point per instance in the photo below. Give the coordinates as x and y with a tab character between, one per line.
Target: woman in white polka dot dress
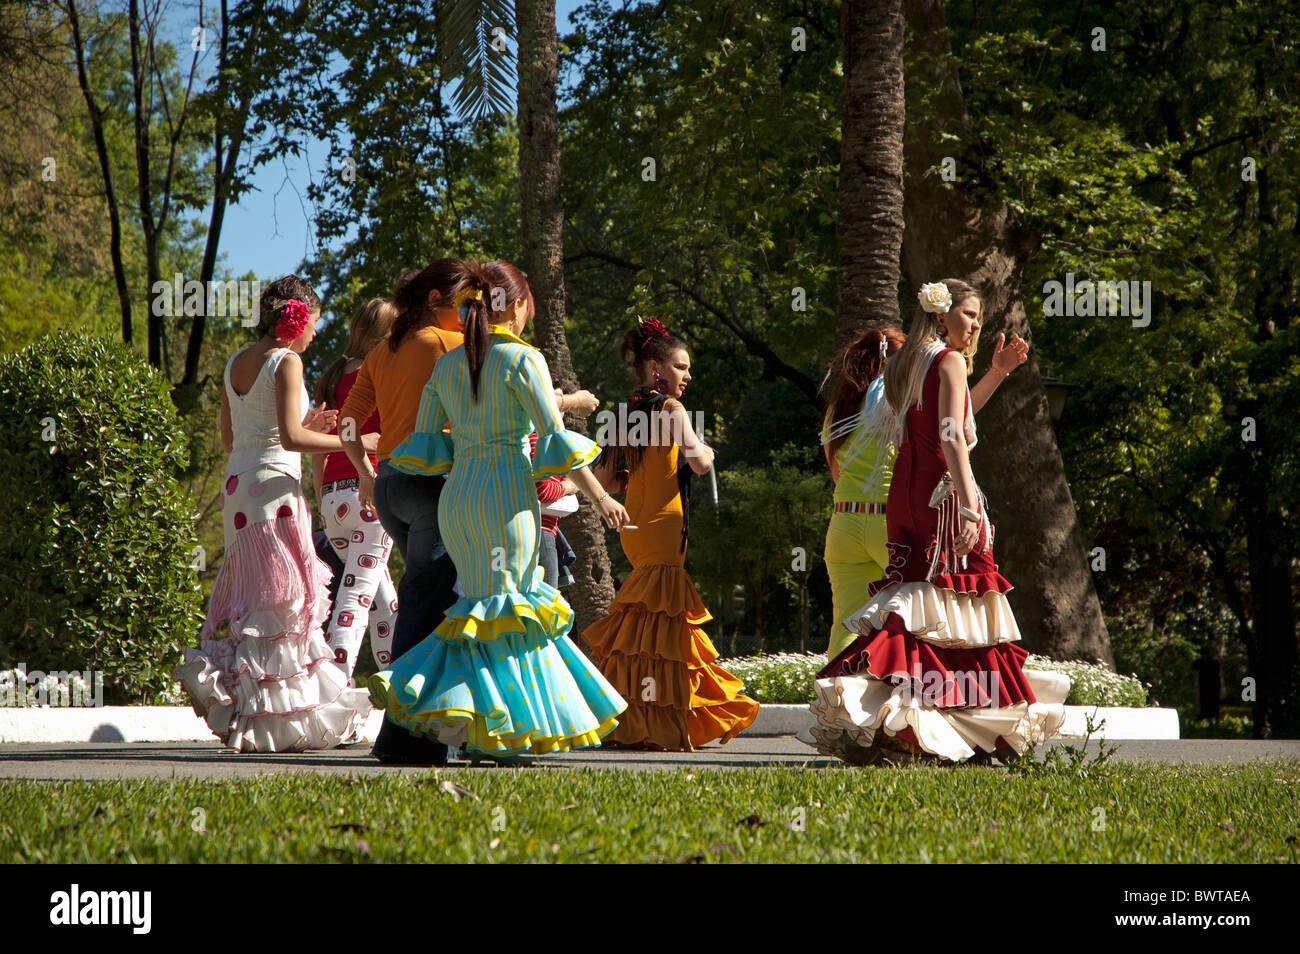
263	676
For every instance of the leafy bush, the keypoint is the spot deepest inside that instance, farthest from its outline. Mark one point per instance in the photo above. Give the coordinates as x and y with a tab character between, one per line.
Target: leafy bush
95	557
1092	684
1227	726
788	678
778	678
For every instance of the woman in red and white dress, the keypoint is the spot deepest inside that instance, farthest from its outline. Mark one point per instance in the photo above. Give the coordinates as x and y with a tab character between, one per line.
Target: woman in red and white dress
937	669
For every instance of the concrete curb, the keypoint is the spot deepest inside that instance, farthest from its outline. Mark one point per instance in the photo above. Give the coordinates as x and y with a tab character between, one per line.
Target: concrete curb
117	724
1121	722
180	724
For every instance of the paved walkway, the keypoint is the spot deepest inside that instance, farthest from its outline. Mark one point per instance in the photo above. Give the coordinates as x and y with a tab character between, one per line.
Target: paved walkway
102	760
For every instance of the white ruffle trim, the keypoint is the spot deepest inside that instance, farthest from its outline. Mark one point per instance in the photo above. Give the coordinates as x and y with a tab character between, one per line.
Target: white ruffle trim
940	616
850	710
310	705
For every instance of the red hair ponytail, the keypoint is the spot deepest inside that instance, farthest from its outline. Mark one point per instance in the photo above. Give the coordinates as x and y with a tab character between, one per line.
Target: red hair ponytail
858	364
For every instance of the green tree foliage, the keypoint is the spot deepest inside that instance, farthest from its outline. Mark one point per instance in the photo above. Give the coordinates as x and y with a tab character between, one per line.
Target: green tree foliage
1169	156
766	534
97	564
54	267
743	134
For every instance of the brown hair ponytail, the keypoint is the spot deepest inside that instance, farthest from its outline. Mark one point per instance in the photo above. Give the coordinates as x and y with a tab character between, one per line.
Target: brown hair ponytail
489	284
648	341
418	292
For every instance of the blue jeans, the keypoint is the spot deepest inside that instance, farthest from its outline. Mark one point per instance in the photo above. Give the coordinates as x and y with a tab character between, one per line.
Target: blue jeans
408	509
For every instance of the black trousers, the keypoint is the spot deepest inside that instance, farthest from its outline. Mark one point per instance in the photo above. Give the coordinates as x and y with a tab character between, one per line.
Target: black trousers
408	510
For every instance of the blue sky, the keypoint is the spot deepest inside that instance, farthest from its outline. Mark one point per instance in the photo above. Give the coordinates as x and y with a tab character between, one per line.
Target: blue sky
269	230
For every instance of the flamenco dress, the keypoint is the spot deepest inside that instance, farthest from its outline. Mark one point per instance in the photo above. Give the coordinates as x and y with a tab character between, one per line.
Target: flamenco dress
263	676
936	663
500	675
650	644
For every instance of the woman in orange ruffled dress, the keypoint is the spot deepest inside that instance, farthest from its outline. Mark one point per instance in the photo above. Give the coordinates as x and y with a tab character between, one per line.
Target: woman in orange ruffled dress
650	645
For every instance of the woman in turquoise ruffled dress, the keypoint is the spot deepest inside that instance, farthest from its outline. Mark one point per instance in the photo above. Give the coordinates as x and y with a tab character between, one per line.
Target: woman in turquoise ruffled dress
500	675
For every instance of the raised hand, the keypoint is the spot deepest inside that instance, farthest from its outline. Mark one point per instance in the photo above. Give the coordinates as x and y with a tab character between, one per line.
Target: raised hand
1012	356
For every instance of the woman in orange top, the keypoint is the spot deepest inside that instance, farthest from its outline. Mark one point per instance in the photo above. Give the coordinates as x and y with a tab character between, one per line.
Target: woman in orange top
650	645
391	380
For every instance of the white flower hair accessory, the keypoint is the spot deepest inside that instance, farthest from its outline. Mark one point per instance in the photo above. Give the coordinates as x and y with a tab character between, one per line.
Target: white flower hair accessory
935	297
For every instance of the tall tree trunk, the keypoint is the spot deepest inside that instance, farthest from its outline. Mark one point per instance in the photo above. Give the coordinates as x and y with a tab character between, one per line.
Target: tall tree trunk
870	217
1269	548
106	171
953	232
542	214
148	226
227	145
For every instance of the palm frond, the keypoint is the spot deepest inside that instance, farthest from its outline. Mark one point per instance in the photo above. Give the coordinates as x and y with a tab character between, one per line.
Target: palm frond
467	32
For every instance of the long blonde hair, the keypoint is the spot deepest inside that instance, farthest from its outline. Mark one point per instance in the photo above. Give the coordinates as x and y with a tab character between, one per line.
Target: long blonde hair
371	324
905	371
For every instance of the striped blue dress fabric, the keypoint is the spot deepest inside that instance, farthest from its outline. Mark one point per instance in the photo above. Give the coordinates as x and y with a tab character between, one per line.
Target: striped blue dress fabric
500	674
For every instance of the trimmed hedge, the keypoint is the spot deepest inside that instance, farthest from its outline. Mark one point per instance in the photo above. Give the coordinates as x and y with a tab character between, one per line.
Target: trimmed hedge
98	542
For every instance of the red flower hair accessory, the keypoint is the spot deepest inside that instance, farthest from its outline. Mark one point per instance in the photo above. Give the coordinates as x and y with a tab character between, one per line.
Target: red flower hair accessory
650	328
293	320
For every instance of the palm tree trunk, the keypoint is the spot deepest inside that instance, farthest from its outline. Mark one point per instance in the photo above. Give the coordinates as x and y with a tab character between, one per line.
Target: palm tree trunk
953	232
870	218
542	215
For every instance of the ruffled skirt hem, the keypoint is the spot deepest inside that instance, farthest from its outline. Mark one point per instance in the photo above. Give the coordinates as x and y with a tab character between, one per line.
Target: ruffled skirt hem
263	677
527	688
852	711
938	670
314	710
653	650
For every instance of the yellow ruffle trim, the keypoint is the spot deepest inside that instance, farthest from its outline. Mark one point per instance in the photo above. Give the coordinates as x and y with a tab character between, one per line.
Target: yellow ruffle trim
479	736
553	617
576	459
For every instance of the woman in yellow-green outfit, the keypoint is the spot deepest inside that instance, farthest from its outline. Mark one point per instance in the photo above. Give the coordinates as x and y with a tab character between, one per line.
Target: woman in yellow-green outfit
856	442
500	675
860	456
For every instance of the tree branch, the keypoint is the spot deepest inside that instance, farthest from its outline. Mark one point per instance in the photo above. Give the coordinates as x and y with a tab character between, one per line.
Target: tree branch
755	345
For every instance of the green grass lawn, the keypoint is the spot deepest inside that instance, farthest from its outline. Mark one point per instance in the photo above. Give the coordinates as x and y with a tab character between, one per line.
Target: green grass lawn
1114	813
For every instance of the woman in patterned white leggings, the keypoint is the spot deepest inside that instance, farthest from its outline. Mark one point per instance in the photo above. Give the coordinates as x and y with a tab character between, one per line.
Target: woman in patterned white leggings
366	597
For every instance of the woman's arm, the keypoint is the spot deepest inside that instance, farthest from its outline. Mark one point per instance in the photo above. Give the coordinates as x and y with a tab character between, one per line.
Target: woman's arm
605	470
227	428
579	403
951	412
610	509
699	455
288	412
532	387
1005	360
358	407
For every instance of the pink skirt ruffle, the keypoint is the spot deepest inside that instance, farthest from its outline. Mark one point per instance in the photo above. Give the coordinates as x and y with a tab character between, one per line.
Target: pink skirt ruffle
263	676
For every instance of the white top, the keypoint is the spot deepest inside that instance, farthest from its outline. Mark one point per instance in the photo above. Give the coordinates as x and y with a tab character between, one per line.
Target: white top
253	419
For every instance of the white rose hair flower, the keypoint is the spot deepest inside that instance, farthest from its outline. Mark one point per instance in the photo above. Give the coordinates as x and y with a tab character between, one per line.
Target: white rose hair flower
935	297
